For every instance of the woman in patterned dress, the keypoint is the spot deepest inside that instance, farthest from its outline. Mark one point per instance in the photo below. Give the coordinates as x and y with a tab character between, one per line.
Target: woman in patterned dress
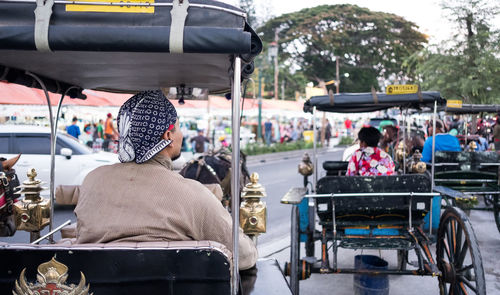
369	160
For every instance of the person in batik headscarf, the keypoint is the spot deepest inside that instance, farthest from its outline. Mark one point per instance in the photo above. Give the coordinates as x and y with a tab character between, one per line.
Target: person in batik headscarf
142	199
369	160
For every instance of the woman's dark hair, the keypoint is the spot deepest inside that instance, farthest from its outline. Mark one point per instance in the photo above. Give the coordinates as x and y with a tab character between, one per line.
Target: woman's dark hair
370	135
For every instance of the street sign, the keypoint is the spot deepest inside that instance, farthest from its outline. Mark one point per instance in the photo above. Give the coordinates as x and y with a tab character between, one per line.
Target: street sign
454	103
401	89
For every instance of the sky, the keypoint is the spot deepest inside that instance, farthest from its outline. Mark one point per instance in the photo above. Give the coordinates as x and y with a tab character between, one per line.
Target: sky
427	14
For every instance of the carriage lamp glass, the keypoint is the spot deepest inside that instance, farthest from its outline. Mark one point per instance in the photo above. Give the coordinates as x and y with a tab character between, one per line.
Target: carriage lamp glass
253	210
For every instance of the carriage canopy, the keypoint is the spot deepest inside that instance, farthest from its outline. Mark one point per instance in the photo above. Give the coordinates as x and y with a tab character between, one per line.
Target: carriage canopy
125	48
369	102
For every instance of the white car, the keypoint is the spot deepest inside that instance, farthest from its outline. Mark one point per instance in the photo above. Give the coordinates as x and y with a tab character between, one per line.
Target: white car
73	159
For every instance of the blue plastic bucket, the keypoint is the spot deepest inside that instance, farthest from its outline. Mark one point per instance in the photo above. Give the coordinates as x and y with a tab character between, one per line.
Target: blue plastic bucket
367	284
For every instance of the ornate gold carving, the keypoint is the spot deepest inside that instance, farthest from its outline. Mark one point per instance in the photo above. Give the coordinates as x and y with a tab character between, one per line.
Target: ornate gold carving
415	165
51	279
253	212
32	213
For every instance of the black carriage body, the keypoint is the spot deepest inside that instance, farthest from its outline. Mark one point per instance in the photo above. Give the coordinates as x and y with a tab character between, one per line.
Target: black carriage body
124	270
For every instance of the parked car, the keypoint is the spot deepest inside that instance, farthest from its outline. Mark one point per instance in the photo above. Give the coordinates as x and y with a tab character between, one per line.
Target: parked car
73	159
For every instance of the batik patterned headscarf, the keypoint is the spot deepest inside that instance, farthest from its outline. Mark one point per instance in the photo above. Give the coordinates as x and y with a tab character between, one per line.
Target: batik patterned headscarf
142	121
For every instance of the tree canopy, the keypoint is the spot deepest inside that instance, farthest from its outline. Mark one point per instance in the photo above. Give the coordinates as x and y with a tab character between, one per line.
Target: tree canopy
469	67
370	45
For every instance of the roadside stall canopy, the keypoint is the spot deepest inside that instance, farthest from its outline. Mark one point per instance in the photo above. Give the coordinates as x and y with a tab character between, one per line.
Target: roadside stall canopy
14	94
370	102
472	109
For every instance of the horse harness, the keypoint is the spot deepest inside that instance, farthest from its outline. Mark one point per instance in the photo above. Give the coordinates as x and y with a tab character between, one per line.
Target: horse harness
8	184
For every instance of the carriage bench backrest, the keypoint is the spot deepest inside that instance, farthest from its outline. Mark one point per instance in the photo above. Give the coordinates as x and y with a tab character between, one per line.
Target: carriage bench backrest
466	161
374	206
188	267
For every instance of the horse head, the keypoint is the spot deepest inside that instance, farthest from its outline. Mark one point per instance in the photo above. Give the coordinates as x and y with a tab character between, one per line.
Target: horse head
8	184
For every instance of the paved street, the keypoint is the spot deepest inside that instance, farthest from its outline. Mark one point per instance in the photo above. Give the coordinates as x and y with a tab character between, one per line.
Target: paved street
278	174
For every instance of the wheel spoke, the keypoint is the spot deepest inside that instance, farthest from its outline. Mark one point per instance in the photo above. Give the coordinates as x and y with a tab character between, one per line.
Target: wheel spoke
465	268
449	237
464	281
447	249
463	288
461	255
458	238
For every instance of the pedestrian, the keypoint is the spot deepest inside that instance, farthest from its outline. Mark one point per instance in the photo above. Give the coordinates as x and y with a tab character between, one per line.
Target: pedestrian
109	132
348	126
199	142
328	132
73	129
268	130
496	135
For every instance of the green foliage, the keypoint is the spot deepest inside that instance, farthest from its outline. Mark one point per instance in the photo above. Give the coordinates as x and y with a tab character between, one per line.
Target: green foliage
258	148
249	7
346	140
370	44
469	68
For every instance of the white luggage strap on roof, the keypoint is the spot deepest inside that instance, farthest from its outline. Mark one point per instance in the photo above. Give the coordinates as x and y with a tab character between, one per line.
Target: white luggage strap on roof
179	14
43	12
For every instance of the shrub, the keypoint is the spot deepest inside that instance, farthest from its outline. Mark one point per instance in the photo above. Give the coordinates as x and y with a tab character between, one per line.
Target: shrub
259	148
346	140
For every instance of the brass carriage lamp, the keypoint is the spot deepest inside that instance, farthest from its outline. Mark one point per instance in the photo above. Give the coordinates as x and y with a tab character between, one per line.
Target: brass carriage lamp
33	212
253	211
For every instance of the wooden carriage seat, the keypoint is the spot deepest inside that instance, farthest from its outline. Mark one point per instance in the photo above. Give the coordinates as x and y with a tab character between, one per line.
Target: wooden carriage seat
187	267
373	210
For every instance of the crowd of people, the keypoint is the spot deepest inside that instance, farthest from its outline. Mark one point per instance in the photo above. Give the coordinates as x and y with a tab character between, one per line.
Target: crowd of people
376	152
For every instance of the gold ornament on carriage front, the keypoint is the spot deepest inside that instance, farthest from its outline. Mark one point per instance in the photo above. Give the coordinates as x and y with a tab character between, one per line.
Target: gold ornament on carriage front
252	210
33	212
51	279
306	166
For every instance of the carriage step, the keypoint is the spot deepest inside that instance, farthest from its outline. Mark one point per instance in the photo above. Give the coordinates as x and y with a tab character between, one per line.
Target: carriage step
376	243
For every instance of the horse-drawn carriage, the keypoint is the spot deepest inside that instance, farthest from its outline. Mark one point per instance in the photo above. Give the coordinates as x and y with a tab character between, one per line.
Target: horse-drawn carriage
175	46
399	212
472	174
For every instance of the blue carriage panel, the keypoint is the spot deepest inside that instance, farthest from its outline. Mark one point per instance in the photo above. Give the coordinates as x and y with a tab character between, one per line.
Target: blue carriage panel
303	218
436	214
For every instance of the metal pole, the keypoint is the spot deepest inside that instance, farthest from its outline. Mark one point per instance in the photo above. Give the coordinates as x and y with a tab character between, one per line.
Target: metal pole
294	251
259	120
433	143
337	83
404	140
276	72
235	170
315	152
52	150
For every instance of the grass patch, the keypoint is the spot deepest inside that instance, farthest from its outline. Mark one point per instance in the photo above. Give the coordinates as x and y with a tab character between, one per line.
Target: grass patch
259	148
346	140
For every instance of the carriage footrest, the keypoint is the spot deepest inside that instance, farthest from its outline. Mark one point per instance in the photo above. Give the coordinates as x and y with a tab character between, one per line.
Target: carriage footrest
376	243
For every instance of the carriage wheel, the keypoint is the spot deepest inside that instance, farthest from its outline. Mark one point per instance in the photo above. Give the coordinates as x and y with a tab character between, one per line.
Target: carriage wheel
402	259
294	250
458	256
496	211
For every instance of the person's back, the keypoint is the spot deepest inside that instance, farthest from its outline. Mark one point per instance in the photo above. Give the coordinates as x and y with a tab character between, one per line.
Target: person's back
443	142
369	160
73	129
142	199
150	202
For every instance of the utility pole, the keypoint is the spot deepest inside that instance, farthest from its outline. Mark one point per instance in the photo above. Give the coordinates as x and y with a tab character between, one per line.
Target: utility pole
276	72
337	83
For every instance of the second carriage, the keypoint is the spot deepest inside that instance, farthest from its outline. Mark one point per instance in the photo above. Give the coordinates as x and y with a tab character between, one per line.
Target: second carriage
403	213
